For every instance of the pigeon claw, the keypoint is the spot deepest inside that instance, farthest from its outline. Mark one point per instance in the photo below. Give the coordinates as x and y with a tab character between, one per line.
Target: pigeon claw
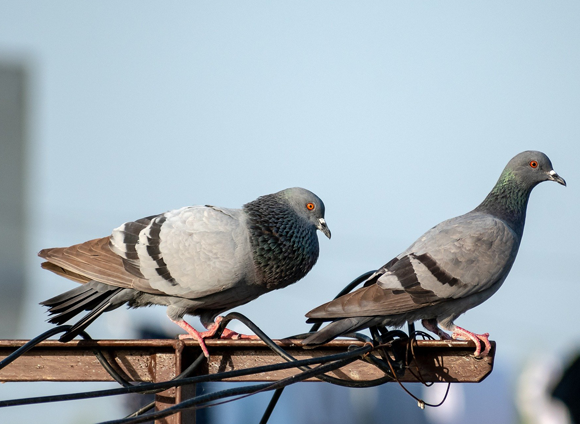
192	333
226	334
229	334
478	339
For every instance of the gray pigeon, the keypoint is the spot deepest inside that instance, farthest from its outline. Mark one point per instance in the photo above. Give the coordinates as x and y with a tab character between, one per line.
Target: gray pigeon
199	260
452	268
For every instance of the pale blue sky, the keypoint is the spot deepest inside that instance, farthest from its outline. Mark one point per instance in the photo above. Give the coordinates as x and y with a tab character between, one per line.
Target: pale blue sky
397	114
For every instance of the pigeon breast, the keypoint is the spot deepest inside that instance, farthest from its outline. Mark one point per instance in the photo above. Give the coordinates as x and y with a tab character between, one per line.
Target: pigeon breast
284	245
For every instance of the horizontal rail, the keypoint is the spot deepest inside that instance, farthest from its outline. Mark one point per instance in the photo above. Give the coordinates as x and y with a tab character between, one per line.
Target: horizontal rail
161	360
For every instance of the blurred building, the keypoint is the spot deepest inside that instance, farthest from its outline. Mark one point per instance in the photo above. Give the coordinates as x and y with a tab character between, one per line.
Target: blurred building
13	110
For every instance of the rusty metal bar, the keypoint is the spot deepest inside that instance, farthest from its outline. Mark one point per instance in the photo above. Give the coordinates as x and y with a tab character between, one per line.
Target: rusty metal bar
437	361
162	360
159	360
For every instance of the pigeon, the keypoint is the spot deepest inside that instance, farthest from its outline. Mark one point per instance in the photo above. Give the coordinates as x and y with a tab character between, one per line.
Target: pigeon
198	260
453	267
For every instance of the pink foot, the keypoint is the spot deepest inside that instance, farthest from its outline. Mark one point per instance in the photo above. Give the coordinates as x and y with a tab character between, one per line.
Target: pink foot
477	339
229	334
434	328
192	333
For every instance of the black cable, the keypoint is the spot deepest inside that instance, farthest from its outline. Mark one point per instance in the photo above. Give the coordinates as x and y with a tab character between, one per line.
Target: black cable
184	381
317	372
382	338
271	405
348	288
61	329
278	393
190	403
277	349
269	342
156	387
142	410
421	402
239	390
29	345
105	363
188	371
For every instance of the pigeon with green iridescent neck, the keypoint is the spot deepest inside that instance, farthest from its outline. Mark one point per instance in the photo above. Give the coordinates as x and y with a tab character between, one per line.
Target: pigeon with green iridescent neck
452	268
198	260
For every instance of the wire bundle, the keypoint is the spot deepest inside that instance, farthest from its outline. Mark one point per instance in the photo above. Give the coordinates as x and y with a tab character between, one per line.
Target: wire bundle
393	358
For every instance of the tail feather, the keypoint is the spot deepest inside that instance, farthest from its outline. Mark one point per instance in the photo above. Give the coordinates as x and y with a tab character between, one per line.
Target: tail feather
74	303
64	316
87	297
88	318
63	297
336	329
66	305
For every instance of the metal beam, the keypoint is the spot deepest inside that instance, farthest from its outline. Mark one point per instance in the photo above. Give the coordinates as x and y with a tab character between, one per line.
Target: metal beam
162	360
150	360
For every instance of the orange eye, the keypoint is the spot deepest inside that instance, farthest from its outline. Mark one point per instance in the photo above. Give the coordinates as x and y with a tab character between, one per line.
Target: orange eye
534	164
310	206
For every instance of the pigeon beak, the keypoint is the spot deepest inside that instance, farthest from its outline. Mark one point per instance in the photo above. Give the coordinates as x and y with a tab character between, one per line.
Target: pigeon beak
553	176
323	227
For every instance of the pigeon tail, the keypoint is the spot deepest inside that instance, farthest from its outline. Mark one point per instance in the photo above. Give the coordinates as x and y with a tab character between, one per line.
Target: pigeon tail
69	304
335	329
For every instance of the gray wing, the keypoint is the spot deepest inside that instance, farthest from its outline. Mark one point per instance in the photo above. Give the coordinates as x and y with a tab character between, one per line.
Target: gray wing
189	252
454	259
94	260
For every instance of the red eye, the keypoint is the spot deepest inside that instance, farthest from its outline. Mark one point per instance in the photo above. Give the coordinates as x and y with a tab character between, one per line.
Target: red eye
310	206
534	164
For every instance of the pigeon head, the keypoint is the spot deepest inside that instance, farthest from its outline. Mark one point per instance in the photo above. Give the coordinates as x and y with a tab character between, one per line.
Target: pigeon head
283	236
307	205
509	197
531	168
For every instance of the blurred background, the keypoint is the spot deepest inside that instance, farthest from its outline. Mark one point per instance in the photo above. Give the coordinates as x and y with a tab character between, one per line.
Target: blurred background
397	114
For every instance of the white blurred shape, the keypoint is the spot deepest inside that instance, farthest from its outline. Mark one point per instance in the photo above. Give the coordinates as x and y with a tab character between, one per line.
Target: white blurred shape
533	398
453	409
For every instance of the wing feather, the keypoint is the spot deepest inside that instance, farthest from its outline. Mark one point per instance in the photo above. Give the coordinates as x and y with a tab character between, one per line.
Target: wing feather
190	252
455	259
93	260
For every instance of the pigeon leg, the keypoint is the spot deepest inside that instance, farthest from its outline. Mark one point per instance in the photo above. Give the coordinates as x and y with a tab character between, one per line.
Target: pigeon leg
431	325
477	339
192	333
